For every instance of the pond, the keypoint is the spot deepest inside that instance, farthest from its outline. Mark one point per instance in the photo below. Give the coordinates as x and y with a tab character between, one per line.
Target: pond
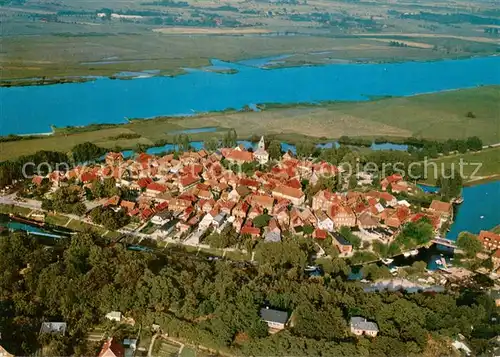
111	101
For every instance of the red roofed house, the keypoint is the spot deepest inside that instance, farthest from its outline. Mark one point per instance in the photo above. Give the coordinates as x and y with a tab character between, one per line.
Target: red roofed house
114	158
252	231
239	156
490	240
296	196
88	177
444	209
188	181
111	348
262	201
342	216
154	189
37	180
319	234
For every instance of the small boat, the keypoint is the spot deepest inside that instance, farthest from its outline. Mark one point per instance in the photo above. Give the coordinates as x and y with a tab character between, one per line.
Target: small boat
414	252
458	200
406	254
481	217
387	261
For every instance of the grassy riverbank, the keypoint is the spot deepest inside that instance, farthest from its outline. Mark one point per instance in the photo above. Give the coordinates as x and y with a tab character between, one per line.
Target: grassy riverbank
433	116
489	170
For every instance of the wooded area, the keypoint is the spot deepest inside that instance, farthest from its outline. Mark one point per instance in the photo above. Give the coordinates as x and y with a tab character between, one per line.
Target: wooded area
216	303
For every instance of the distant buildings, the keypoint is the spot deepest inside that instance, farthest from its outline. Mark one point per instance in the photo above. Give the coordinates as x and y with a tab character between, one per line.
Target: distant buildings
490	240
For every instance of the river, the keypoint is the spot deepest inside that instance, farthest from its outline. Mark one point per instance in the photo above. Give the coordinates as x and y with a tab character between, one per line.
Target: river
33	109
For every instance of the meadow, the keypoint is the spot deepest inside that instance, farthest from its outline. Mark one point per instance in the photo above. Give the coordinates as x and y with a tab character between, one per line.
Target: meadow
489	160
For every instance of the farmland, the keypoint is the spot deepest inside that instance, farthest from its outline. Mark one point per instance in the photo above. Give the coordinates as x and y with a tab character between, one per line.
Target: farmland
79	38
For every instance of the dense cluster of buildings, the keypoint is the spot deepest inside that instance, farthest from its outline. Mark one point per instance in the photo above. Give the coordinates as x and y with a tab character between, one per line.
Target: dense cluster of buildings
196	190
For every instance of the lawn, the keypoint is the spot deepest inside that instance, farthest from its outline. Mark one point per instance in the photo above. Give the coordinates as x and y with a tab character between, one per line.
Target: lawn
489	159
187	352
7	209
163	348
56	219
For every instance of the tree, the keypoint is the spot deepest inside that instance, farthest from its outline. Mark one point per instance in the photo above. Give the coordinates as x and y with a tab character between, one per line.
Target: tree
351	237
474	143
305	149
212	144
230	139
86	151
469	243
274	150
353	182
262	220
450	184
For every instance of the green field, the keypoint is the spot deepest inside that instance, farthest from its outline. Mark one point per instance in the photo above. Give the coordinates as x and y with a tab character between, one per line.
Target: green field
437	116
17	210
163	348
489	170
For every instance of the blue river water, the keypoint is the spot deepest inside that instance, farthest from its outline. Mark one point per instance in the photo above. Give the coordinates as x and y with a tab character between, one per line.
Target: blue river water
33	109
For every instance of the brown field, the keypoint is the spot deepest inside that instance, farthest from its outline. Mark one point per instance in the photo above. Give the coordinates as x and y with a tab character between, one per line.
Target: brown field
209	31
408	43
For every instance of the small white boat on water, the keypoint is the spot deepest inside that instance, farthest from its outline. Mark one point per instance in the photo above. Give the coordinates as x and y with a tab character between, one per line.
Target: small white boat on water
387	261
413	252
406	254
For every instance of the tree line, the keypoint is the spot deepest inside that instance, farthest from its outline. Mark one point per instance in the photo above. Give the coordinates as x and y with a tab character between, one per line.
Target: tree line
216	304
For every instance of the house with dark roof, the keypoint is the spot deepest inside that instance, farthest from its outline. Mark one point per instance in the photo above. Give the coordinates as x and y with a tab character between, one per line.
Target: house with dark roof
342	244
58	328
275	319
361	326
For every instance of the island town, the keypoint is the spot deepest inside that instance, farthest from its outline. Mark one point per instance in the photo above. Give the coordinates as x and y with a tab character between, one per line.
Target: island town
234	198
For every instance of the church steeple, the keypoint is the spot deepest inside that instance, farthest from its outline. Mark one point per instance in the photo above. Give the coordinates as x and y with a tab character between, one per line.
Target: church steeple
262	144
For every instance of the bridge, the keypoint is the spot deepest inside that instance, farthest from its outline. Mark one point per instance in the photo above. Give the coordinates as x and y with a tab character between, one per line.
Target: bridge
445	242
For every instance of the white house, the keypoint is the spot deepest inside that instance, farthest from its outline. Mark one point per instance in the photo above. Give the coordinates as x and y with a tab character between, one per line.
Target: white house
324	222
161	218
114	316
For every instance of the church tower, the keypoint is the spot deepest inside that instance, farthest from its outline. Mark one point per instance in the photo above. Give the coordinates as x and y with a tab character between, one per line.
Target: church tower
262	144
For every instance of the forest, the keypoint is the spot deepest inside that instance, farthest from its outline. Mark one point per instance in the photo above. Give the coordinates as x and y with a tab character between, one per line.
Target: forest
216	304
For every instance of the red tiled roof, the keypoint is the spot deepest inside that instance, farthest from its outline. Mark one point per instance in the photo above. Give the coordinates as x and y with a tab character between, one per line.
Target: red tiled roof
239	155
248	182
128	205
88	177
144	182
114	347
320	234
37	180
188	180
289	191
483	235
250	230
439	206
154	186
